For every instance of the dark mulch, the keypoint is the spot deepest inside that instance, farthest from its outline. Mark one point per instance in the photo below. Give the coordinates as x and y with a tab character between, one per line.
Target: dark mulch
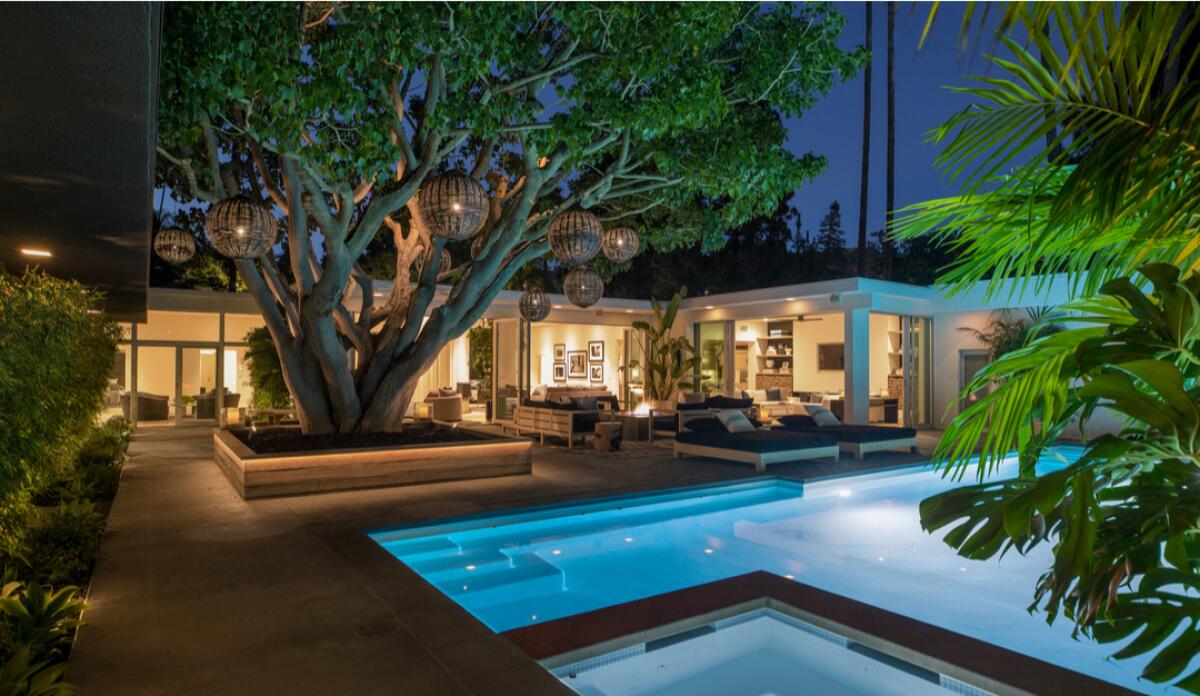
275	440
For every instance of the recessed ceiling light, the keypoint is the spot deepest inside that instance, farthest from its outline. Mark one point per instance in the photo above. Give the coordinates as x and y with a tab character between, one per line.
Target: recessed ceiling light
36	252
558	306
709	307
791	299
629	311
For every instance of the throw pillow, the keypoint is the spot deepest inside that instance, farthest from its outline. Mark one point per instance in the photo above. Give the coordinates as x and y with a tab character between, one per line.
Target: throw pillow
735	422
447	391
758	395
773	395
704	425
823	416
585	403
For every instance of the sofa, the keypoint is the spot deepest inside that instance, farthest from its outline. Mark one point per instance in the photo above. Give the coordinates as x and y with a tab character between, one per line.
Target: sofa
568	418
205	409
149	406
758	447
858	440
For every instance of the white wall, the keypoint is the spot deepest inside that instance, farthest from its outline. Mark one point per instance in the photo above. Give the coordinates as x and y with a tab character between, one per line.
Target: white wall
830	329
543	336
948	340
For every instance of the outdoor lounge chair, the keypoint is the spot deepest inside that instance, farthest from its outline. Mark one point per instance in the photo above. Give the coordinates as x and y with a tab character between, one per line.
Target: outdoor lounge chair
859	440
701	438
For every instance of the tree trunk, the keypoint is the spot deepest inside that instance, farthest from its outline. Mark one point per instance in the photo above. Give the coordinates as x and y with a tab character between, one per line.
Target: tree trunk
889	247
864	182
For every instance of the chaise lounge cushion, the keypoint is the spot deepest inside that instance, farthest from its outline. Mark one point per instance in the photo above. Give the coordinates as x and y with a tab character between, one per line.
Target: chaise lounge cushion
724	402
758	441
705	425
847	433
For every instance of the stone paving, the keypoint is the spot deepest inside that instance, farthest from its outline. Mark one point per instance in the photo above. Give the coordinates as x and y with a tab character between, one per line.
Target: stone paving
199	592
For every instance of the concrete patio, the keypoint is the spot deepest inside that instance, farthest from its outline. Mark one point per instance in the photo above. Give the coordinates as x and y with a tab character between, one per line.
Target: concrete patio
197	591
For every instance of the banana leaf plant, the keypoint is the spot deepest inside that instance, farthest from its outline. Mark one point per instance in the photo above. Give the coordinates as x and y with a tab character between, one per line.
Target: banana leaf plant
1124	519
670	360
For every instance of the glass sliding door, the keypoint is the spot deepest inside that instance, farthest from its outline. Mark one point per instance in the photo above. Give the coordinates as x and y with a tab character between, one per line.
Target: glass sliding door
714	344
197	385
918	383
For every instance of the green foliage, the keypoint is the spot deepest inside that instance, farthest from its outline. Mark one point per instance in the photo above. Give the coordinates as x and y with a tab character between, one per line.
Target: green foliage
266	374
61	543
1124	519
37	620
669	360
480	339
1005	332
100	460
21	676
56	354
1114	187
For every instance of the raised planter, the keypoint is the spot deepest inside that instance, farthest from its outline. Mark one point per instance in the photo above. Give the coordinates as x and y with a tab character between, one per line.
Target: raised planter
256	475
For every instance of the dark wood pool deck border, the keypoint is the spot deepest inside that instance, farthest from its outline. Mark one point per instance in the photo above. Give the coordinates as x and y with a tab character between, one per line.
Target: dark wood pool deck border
966	659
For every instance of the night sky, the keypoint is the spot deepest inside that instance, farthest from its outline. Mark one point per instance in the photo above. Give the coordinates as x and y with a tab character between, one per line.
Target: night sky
834	127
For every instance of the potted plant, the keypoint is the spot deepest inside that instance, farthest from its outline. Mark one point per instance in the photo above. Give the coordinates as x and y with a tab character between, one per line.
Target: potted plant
669	359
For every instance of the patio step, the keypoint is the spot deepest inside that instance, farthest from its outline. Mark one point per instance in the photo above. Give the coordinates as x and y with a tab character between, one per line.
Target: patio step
528	576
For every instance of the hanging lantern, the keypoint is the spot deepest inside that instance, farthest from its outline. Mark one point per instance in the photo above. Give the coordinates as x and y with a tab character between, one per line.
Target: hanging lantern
453	206
534	304
241	228
575	236
174	246
620	244
583	286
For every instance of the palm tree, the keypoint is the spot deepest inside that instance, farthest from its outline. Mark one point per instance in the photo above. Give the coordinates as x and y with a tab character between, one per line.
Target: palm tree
866	153
889	247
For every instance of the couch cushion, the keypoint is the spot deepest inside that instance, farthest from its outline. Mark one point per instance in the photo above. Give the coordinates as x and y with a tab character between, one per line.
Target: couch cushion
691	407
726	402
705	425
735	421
773	395
584	421
585	403
690	398
669	423
758	441
797	421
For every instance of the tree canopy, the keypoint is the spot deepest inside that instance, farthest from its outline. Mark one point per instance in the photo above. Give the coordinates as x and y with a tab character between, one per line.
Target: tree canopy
659	115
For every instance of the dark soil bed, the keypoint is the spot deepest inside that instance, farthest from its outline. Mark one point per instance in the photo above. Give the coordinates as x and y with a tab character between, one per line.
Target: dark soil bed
276	440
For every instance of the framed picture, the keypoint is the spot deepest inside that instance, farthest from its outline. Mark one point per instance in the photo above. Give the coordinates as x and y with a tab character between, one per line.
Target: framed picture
595	351
577	363
596	372
560	352
560	372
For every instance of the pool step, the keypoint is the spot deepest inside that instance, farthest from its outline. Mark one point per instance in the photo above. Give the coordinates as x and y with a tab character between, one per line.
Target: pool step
481	557
418	547
528	576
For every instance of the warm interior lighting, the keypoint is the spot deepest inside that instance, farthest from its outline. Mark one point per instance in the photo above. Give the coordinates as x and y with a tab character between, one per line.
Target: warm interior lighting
643	409
36	252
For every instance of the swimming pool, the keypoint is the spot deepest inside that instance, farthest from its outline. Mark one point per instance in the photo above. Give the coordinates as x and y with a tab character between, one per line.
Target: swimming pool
856	536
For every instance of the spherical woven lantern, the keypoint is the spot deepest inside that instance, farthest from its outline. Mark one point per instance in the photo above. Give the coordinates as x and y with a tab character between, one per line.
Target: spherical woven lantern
534	304
453	206
620	244
583	286
174	246
241	228
575	236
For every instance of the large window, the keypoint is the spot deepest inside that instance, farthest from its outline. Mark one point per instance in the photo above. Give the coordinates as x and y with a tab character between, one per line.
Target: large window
713	345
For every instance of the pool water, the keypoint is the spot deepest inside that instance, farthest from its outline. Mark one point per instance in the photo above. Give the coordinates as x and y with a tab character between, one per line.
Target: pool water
762	652
859	537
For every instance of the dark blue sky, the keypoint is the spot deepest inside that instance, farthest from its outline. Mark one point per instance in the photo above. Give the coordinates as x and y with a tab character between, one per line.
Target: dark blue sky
834	127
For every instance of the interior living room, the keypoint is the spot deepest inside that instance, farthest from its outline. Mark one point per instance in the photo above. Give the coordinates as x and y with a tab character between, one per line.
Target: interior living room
804	357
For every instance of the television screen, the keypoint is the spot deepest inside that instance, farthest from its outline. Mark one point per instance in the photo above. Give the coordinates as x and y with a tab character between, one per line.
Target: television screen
831	356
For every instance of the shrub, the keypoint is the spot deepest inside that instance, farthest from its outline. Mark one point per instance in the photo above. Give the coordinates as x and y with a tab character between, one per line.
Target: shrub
62	542
21	676
56	354
266	375
99	462
37	620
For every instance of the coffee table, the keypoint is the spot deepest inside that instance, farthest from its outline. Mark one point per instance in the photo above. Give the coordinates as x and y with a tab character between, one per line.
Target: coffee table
635	426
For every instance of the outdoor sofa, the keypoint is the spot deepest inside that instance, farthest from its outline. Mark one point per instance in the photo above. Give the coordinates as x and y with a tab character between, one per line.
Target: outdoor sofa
858	440
563	417
149	406
707	437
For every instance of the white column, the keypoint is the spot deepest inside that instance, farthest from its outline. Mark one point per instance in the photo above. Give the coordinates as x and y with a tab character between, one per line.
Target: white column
858	365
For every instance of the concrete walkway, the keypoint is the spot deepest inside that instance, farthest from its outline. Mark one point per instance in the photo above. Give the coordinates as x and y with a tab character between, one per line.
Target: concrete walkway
199	592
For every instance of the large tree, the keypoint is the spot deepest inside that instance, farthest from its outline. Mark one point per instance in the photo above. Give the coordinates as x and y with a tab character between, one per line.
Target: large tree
648	114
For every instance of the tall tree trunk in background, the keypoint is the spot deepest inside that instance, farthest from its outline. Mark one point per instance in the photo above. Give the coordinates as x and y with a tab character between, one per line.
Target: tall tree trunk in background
866	154
889	248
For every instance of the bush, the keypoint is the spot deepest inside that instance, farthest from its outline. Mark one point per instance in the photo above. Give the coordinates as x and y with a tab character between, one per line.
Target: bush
56	354
62	542
99	462
37	620
266	374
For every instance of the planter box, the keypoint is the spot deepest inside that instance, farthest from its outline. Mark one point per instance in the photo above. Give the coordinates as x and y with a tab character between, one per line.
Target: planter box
292	473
